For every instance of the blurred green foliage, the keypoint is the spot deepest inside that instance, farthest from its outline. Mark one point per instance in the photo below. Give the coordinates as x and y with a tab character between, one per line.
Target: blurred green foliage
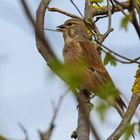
109	59
102	109
129	132
125	20
69	72
2	138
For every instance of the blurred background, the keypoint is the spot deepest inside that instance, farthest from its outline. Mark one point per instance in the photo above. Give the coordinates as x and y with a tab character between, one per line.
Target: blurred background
28	87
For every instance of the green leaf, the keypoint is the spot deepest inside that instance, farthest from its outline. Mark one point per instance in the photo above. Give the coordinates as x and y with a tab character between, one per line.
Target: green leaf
109	58
139	128
125	21
106	60
71	74
129	132
2	138
96	1
113	62
102	109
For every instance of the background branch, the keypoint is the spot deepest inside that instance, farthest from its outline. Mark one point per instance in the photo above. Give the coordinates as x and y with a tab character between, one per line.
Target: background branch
42	43
135	100
62	12
47	135
104	10
24	131
110	29
84	123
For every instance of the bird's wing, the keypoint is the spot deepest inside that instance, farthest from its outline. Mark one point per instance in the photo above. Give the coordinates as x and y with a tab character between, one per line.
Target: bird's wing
84	49
91	55
93	59
96	64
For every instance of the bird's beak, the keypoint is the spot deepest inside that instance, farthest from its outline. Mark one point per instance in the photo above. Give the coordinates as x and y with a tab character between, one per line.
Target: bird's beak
60	28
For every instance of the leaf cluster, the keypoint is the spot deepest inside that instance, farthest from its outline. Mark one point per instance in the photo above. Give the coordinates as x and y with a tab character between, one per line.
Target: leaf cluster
109	59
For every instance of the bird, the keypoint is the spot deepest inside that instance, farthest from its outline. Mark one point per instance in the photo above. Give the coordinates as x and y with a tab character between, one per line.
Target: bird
80	52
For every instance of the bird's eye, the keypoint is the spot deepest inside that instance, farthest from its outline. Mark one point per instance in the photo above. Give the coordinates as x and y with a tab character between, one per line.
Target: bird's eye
69	24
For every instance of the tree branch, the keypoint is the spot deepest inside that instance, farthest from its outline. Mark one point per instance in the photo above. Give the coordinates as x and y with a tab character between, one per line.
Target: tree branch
131	9
110	29
42	43
119	55
104	10
135	100
24	131
84	123
47	135
83	129
62	12
134	18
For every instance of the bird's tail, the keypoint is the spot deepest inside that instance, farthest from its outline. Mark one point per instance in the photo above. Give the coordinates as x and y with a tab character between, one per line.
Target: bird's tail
120	106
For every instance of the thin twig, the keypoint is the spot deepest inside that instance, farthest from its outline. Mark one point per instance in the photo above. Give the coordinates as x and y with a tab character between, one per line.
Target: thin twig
119	60
110	29
121	56
77	9
100	17
137	58
120	7
47	135
52	30
24	131
52	9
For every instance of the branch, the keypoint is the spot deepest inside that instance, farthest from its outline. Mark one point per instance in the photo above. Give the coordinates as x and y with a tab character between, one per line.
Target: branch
77	9
24	131
120	6
116	54
134	18
83	129
135	100
88	14
110	29
47	135
42	43
131	9
62	12
84	123
104	10
119	60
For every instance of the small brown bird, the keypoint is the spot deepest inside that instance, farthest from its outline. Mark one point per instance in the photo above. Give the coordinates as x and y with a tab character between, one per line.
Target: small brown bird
95	78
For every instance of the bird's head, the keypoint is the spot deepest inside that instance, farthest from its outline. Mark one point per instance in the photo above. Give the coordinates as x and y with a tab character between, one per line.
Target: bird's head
73	28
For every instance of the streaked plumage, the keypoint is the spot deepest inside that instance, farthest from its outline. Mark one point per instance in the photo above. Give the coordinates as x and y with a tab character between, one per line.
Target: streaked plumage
96	79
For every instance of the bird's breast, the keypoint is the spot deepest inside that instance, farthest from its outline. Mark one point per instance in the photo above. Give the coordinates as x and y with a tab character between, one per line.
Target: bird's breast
72	52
